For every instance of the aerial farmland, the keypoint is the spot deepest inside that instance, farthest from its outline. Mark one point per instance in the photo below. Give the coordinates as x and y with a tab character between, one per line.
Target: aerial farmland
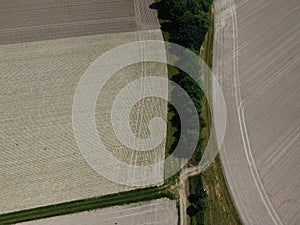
28	21
45	47
162	211
256	59
96	128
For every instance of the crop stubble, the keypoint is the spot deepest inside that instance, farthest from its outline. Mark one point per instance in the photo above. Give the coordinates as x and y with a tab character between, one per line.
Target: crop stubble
40	162
256	59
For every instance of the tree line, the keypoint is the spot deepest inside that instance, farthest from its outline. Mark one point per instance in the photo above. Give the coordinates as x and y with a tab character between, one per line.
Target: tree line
186	22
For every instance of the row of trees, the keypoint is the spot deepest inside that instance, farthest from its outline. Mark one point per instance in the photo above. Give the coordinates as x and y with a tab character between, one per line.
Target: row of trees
198	199
198	203
187	21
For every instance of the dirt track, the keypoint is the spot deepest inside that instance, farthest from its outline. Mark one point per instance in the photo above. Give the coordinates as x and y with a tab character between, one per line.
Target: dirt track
256	59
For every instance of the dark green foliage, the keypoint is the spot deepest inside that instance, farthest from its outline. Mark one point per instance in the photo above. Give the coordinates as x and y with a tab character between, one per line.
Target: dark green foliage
192	30
187	21
191	211
196	94
193	198
203	193
198	199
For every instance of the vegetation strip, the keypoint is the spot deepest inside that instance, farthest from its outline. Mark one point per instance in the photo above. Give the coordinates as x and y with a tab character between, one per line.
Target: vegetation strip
134	196
178	25
221	209
198	200
186	22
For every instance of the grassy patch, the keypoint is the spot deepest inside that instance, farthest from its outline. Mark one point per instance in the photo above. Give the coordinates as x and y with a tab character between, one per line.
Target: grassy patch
221	209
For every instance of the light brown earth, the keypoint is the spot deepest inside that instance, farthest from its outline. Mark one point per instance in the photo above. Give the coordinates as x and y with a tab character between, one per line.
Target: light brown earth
40	161
256	59
162	212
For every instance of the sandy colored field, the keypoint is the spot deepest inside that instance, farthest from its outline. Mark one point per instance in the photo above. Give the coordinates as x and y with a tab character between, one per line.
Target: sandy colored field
40	161
221	208
160	212
256	59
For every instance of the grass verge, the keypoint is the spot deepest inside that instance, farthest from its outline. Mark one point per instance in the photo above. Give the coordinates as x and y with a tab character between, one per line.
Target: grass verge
221	209
134	196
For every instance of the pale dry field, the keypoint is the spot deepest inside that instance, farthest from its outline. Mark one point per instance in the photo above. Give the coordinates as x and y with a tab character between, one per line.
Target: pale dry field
159	212
40	161
256	59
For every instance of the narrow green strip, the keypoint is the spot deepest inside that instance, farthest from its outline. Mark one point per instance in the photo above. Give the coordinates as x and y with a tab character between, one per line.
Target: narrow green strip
134	196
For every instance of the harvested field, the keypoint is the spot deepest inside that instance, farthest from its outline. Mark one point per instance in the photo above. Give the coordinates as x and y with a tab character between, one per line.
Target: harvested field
256	59
162	211
221	208
36	20
41	163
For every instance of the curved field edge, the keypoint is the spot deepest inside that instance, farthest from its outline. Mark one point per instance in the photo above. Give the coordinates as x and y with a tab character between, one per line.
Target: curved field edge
221	208
123	198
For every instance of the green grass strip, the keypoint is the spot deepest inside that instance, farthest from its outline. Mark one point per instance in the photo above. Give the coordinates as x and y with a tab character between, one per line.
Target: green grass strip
122	198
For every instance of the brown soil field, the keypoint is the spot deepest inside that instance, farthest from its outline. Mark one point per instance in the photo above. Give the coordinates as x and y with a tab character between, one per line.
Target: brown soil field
36	20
